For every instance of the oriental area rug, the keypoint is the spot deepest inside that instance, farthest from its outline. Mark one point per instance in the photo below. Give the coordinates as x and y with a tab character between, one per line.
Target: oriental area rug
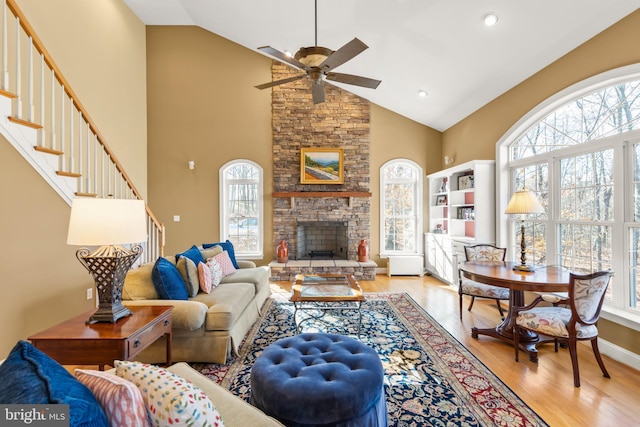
430	378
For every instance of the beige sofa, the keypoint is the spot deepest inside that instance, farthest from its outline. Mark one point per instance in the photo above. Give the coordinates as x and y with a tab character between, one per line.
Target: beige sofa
207	328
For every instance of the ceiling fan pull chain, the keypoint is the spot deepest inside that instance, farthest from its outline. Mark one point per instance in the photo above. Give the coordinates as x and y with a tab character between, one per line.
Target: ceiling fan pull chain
316	26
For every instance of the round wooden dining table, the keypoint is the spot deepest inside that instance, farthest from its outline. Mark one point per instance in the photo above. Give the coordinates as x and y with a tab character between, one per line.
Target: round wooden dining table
501	273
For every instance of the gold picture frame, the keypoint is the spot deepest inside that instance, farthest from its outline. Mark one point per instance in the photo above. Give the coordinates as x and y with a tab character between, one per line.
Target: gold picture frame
321	166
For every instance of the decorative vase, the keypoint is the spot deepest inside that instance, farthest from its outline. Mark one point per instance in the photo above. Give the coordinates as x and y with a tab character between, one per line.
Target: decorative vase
363	251
282	252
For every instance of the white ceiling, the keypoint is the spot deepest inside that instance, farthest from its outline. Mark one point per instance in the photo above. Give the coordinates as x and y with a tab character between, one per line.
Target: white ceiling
439	46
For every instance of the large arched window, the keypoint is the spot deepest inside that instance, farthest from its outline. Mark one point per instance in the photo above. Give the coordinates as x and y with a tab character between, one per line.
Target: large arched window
400	207
241	207
580	152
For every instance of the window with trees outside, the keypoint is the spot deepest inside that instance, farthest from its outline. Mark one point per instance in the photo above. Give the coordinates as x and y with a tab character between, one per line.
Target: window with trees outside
582	159
241	207
400	207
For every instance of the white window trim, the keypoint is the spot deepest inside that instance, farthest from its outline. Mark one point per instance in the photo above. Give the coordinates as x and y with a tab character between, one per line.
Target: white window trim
419	196
224	203
503	180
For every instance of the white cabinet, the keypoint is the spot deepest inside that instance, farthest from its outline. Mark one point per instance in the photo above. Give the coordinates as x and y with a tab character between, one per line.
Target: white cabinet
461	212
440	258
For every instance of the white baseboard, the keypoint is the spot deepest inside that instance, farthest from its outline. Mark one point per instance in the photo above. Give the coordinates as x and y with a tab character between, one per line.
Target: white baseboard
619	354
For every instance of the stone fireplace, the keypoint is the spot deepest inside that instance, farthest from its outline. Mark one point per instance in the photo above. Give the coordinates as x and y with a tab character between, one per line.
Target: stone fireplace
342	121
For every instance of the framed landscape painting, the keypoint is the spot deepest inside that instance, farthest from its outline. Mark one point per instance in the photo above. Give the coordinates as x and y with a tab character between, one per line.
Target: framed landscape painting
321	166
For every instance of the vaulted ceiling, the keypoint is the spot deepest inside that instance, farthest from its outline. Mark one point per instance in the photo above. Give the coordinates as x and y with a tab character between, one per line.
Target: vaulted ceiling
441	47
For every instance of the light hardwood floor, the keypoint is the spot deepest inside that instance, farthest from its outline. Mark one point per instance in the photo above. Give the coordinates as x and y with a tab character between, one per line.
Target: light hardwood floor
547	387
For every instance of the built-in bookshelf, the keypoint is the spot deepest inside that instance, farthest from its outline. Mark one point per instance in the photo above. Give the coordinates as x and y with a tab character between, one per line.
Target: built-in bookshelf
461	212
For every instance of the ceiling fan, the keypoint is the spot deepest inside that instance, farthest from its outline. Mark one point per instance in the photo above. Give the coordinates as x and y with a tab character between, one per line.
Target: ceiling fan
318	62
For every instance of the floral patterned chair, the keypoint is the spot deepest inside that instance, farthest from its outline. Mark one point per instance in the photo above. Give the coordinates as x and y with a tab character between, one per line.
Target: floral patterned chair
482	252
574	322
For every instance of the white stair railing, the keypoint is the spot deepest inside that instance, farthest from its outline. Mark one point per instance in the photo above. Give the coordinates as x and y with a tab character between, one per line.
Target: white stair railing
46	122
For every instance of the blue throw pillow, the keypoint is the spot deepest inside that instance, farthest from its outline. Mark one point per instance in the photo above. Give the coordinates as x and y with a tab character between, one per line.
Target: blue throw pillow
31	377
168	281
227	246
193	253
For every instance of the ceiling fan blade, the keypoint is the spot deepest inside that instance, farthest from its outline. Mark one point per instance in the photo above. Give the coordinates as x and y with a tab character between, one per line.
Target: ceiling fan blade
353	80
282	57
280	82
342	55
317	92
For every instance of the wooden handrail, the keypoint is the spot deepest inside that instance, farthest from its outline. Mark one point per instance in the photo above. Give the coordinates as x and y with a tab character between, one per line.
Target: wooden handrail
106	153
72	95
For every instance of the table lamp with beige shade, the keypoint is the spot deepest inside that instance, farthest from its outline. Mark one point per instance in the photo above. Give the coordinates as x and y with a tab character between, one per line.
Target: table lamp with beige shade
523	202
108	224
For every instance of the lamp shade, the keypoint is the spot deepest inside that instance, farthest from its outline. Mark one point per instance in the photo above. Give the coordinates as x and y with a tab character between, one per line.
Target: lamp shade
100	222
524	202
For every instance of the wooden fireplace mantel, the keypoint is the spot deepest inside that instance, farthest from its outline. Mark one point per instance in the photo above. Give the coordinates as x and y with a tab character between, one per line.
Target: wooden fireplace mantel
316	194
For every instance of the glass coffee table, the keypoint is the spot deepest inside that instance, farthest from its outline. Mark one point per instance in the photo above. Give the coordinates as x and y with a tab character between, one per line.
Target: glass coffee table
315	295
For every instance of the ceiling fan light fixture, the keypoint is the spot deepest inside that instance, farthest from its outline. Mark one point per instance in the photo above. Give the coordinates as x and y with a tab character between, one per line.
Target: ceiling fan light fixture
490	19
313	56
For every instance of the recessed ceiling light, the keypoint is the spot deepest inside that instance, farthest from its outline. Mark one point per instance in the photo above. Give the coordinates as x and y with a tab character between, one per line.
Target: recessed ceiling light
490	19
422	93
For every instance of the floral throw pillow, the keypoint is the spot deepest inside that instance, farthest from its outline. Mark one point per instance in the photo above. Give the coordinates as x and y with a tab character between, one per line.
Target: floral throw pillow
225	262
170	399
217	272
120	399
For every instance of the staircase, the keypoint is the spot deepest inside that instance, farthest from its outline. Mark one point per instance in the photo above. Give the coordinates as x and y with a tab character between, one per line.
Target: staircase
43	119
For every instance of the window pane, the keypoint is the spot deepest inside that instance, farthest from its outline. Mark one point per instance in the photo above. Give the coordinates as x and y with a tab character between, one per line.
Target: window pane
608	111
400	194
243	208
634	270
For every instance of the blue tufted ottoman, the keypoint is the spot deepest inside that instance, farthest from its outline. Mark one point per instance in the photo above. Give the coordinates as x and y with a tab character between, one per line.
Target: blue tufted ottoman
315	379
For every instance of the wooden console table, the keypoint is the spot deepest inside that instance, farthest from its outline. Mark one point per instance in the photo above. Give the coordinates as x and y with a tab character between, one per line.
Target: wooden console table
75	342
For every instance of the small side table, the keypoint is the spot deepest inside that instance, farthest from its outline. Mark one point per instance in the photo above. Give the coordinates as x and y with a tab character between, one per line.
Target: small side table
75	342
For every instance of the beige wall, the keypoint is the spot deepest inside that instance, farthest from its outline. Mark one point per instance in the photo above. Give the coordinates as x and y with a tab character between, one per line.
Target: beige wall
393	137
203	107
100	47
475	137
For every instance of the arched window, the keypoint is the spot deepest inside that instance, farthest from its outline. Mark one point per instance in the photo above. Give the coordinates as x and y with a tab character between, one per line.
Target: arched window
400	207
241	207
580	152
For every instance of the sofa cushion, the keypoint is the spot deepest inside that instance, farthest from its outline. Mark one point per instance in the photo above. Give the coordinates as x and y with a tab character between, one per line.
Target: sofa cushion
204	276
120	399
189	272
225	263
227	246
226	303
170	399
167	281
193	253
211	252
257	276
31	377
138	284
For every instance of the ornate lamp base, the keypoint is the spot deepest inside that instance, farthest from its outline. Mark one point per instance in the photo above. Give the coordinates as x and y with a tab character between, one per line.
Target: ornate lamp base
109	314
109	265
524	267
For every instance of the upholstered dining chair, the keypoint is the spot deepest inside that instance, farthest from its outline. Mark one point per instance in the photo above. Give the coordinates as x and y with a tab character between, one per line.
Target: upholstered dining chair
574	321
482	252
